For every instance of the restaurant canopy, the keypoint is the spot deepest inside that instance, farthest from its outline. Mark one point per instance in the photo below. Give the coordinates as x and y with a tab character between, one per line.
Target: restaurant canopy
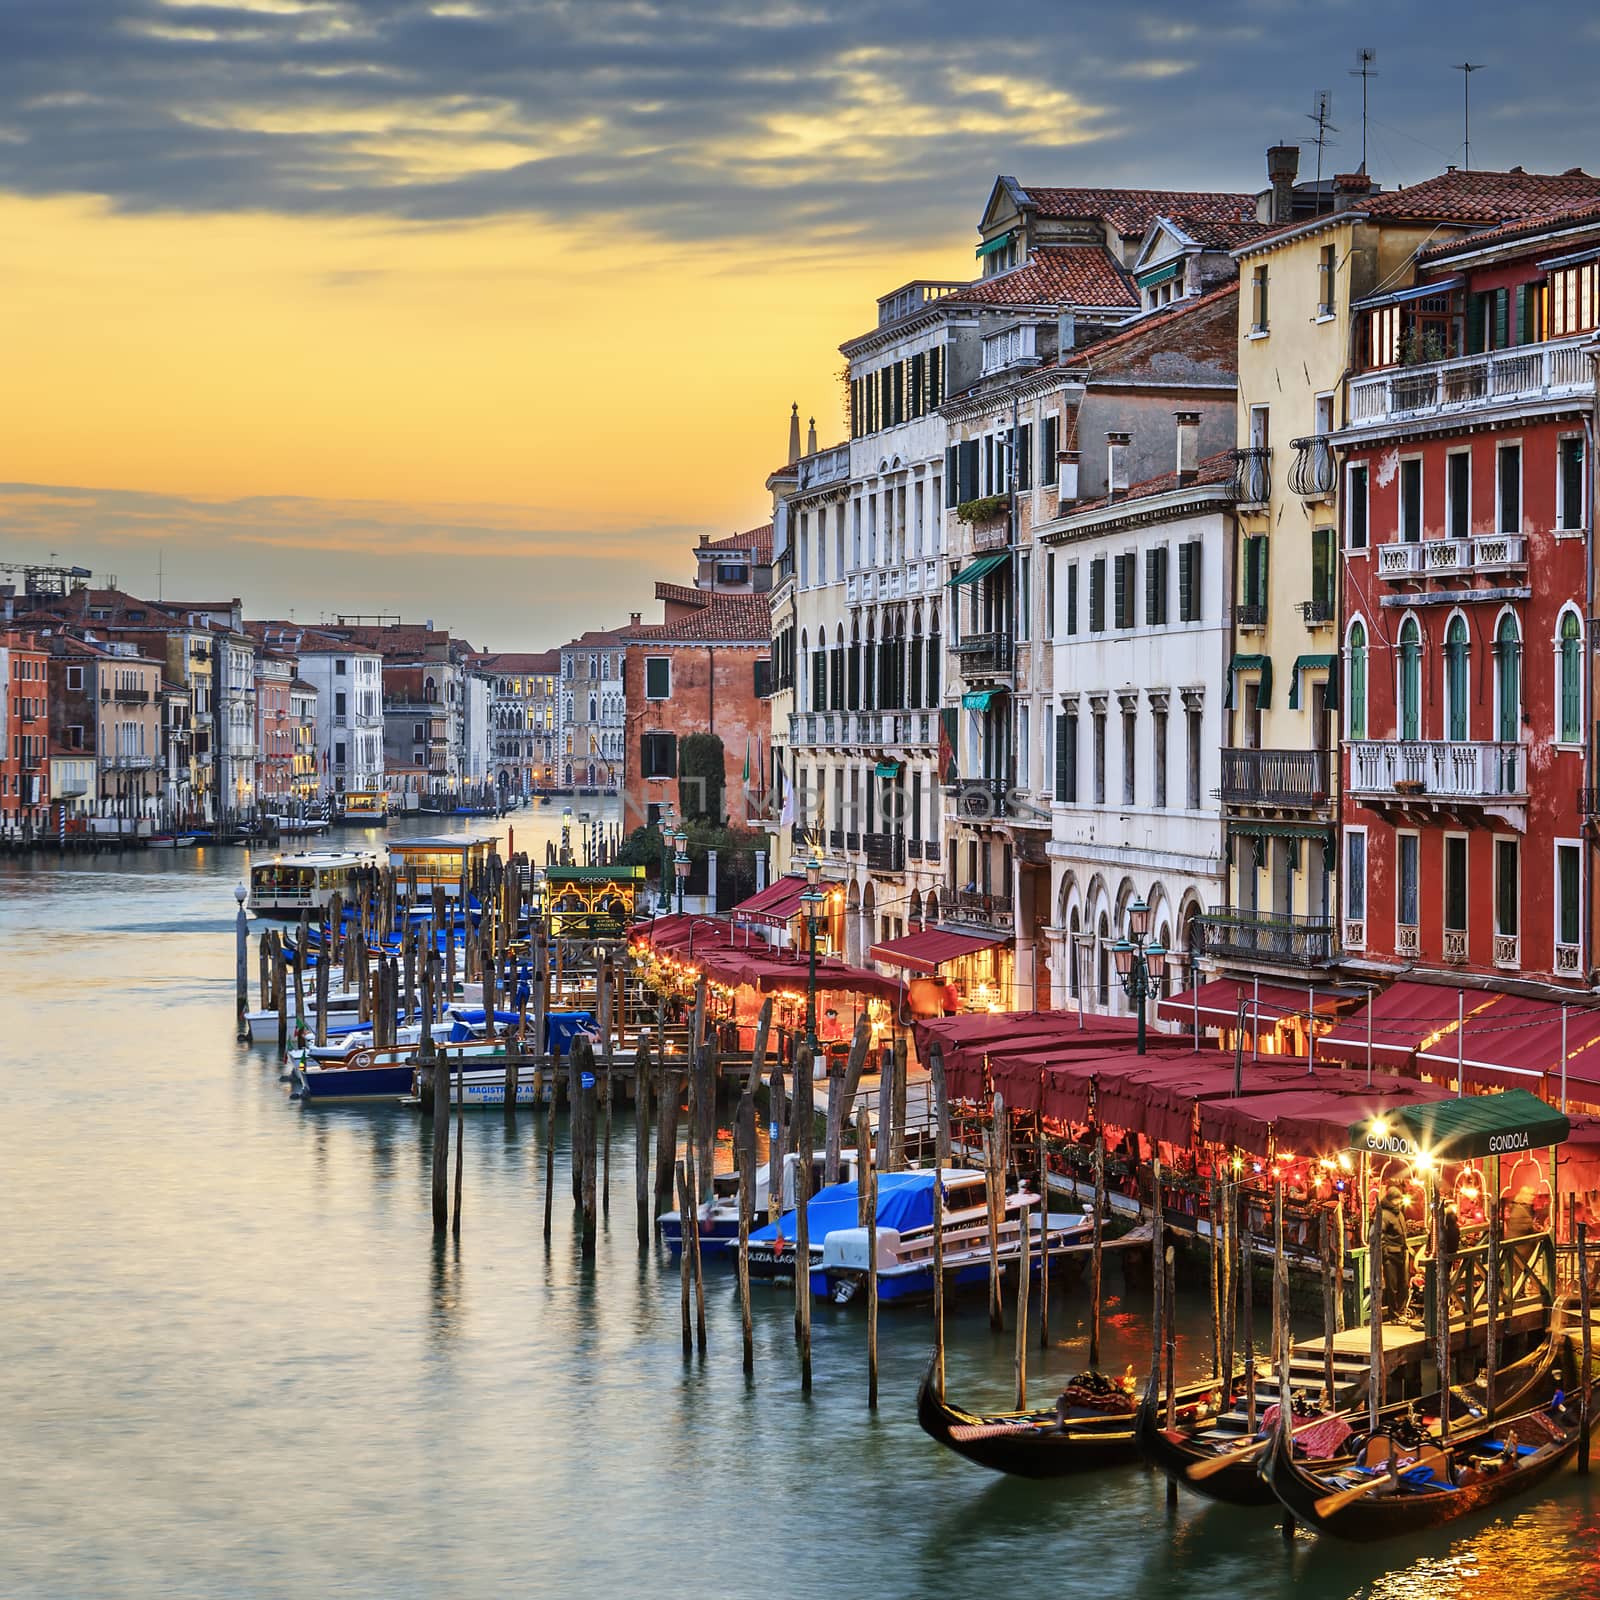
929	950
1216	1002
1514	1041
1313	1120
775	904
1465	1128
1403	1019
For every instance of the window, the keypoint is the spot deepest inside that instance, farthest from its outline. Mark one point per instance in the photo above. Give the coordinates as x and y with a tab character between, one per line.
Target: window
1455	678
1097	596
1355	501
657	678
1155	587
1569	873
1251	714
1196	744
763	678
1255	580
1570	667
1067	758
1099	758
1124	574
1072	598
1025	595
1508	488
1458	494
74	677
1024	463
1410	500
1455	883
1324	569
1158	739
1507	900
338	705
1407	846
338	754
1189	581
1508	676
1356	686
1355	874
1258	300
1571	510
1130	735
339	666
1049	467
658	755
1574	299
1327	264
1024	747
1410	687
1050	596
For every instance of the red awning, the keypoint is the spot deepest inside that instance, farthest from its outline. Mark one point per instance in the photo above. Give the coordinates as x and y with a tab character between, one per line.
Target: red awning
930	949
775	904
1515	1042
1217	1002
1402	1020
1314	1121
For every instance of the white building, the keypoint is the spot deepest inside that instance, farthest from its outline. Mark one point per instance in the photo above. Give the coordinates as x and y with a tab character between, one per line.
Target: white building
349	683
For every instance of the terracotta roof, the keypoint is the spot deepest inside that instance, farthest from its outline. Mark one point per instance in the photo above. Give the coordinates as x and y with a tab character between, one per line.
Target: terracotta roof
734	618
1075	274
1219	233
596	638
1540	222
300	686
548	661
1131	211
1213	470
1490	198
1130	333
757	539
683	594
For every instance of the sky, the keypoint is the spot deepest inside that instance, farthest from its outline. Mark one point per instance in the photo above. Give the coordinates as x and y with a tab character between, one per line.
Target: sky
482	311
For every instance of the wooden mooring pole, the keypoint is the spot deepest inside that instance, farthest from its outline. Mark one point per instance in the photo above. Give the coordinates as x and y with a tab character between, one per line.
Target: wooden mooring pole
641	1140
1097	1246
584	1138
744	1156
804	1136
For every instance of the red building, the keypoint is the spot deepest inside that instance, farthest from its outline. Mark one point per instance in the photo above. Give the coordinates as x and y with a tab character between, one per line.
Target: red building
1467	502
276	727
24	732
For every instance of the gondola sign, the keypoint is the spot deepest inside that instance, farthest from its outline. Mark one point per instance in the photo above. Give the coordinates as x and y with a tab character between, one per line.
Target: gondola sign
1464	1129
586	1080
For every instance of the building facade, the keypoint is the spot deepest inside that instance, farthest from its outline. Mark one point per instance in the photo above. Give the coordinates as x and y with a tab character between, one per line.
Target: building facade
522	716
592	714
275	726
24	732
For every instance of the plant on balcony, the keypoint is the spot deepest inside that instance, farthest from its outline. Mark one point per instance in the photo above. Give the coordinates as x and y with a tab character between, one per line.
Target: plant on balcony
1417	350
983	510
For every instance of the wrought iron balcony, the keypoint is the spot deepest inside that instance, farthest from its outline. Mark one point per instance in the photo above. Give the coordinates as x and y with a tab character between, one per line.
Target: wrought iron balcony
1552	370
1279	937
1250	616
1313	474
1252	475
886	852
980	910
1437	769
980	799
1275	777
984	654
1316	613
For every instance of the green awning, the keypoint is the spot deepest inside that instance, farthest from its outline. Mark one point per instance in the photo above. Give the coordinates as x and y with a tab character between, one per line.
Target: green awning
1282	830
978	699
978	569
1261	664
999	242
1308	664
886	769
1148	280
1508	1123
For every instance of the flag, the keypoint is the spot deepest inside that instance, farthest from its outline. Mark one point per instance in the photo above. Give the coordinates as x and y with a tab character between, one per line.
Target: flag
786	815
747	761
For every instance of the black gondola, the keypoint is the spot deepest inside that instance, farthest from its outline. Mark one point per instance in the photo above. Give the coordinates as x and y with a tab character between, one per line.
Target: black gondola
1054	1442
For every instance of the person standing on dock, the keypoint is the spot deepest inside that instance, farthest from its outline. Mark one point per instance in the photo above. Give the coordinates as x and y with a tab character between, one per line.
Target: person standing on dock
1395	1283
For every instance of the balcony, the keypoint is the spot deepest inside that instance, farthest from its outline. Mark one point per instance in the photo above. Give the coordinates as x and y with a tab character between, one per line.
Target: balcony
1399	560
931	850
1500	552
886	852
1313	474
825	467
1250	616
1554	370
1252	475
984	654
992	535
980	910
1279	937
1299	778
979	799
1317	613
1451	771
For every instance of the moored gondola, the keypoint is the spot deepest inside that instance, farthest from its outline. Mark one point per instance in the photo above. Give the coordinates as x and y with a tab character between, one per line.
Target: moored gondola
1054	1442
1177	1450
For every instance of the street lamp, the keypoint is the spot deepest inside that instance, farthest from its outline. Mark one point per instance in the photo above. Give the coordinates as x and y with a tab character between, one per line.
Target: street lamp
812	897
1140	966
680	864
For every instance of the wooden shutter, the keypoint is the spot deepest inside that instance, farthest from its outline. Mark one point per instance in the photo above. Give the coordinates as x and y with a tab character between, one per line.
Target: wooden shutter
1025	456
1151	588
1097	594
1119	590
1477	323
1061	756
951	496
1072	598
1186	581
1502	318
1049	471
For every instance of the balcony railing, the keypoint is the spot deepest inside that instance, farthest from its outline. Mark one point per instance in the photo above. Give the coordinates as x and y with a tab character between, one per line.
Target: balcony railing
1399	560
1274	936
1499	550
930	850
1250	616
979	799
1312	474
1275	777
984	910
886	852
1396	769
1526	372
1316	613
1252	475
983	654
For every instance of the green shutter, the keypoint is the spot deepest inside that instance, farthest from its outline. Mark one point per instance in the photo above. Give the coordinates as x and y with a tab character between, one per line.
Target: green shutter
1097	595
1477	323
1502	318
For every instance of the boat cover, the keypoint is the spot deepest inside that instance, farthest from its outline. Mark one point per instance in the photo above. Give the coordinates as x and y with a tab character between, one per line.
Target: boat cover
905	1200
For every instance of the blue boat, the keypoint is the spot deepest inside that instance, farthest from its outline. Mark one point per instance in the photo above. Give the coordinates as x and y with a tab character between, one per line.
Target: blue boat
905	1200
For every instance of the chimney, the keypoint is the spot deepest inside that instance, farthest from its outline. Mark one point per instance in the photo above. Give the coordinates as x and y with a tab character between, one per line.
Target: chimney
1188	445
1117	462
1349	189
1067	464
1066	333
1283	163
811	438
633	619
794	433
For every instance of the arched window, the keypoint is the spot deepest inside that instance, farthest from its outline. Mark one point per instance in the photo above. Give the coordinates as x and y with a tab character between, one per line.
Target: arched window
1569	676
1074	927
1508	680
1455	678
1410	679
1356	696
1103	960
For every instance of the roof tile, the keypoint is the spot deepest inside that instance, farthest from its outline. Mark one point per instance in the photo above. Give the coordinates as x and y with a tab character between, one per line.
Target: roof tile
1076	274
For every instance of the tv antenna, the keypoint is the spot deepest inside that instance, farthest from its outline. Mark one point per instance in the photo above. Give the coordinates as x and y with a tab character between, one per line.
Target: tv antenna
1321	110
1466	69
1364	70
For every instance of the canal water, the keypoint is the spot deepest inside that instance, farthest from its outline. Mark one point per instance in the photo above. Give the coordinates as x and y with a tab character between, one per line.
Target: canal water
235	1361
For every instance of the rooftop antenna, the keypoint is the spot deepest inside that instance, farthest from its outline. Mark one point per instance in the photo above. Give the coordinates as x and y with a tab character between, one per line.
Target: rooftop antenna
161	557
1364	70
1322	107
1466	69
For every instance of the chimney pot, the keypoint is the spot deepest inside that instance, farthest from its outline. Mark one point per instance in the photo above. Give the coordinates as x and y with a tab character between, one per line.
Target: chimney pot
1188	444
1117	461
1283	163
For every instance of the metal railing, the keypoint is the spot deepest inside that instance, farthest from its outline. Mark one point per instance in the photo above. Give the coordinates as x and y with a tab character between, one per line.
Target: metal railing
979	799
1312	474
1252	475
1447	768
1275	777
1558	367
981	653
1275	936
985	910
1316	613
1250	616
886	852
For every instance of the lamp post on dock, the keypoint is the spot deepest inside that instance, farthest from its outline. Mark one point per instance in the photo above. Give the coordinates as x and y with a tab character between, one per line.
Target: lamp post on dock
241	960
1139	965
680	864
811	898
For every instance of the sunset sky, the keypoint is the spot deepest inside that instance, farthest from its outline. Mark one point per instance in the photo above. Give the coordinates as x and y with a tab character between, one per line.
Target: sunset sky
482	310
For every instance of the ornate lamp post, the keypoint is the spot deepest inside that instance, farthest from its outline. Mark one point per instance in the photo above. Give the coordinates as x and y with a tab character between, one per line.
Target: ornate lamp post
1140	966
680	864
811	899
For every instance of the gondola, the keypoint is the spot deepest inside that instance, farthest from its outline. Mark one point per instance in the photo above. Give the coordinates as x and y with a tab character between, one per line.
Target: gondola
1390	1491
1054	1442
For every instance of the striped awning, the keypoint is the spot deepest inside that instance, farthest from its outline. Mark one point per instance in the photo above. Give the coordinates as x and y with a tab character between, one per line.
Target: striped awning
980	568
